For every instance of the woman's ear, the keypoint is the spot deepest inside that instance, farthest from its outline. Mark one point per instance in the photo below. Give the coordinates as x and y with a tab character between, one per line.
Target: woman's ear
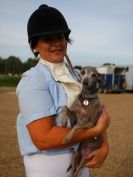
36	53
34	50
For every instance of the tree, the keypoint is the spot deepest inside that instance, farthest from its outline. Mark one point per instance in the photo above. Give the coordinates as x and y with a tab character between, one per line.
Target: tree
29	64
13	65
2	66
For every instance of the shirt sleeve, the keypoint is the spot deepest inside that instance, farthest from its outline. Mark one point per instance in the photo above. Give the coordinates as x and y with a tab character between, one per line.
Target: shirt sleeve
34	98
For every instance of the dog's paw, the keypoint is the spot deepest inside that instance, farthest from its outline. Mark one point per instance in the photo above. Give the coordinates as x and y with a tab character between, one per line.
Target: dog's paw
64	124
66	140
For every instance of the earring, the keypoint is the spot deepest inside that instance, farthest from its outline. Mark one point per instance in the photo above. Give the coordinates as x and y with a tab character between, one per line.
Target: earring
34	50
36	53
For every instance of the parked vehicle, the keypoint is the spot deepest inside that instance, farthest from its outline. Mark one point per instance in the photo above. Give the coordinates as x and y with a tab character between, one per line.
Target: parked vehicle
116	78
129	78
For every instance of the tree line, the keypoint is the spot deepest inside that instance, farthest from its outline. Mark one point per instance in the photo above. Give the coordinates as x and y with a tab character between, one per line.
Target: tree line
13	65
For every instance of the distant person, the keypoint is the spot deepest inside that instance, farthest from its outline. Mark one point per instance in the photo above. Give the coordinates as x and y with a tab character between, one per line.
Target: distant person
42	92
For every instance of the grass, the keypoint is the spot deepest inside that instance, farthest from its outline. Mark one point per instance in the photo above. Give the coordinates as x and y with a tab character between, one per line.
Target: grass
9	81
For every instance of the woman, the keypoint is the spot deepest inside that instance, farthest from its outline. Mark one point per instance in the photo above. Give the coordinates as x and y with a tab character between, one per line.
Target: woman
42	92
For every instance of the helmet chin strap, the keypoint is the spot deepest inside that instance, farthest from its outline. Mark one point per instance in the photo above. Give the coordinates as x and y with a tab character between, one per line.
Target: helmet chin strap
71	67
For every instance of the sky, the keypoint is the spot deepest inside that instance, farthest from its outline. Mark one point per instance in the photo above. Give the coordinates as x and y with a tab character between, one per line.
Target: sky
101	30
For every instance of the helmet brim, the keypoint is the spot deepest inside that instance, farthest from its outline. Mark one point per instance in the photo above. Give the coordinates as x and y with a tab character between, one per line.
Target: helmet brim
49	33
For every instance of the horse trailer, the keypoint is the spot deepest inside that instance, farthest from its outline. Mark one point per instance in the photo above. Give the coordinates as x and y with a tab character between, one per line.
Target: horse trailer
116	78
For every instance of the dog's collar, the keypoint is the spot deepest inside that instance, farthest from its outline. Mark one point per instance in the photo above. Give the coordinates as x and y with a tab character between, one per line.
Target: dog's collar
92	96
85	99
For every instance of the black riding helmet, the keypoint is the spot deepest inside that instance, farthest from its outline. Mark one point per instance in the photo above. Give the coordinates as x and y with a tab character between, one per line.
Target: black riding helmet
46	21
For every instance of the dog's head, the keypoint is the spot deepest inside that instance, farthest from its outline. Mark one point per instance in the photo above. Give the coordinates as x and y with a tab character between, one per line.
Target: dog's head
89	77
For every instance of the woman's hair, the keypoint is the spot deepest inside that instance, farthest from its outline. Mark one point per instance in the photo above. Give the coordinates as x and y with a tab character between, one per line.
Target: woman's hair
34	41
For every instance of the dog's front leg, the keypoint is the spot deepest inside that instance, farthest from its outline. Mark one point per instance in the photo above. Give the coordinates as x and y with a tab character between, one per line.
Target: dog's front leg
64	116
74	129
72	116
70	135
66	112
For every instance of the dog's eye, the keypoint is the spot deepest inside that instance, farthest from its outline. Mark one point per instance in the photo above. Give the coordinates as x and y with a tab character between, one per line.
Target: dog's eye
94	75
82	72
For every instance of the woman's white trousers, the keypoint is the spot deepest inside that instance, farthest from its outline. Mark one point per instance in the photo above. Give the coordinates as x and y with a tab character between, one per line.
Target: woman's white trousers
40	165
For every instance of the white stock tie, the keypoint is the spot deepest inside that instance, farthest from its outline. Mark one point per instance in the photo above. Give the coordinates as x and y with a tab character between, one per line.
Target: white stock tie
61	73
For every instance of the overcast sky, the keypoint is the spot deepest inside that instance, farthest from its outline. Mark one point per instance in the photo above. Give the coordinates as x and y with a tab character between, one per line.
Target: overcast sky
102	30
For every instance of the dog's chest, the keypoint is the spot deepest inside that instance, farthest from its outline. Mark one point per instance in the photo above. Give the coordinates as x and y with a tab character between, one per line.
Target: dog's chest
84	113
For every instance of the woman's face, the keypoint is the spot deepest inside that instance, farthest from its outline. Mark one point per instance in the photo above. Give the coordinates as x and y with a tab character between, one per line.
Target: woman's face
52	48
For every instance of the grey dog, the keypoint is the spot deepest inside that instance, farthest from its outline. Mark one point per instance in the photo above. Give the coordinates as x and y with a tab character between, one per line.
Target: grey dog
84	113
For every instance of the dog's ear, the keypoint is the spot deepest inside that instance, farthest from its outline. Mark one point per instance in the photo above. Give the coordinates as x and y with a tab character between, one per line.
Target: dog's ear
77	70
99	78
100	81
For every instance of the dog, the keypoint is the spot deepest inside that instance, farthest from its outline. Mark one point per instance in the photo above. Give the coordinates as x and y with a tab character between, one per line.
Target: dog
84	113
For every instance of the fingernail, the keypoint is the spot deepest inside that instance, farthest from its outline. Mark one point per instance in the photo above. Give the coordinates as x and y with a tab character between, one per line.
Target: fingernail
86	156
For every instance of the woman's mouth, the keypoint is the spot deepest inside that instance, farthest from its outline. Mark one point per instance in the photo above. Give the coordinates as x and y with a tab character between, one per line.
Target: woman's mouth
58	51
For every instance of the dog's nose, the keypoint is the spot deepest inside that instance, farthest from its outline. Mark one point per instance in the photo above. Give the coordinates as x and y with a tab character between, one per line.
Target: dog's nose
85	83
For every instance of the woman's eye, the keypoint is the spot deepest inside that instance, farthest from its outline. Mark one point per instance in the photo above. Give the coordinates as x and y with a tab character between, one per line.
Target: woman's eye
82	72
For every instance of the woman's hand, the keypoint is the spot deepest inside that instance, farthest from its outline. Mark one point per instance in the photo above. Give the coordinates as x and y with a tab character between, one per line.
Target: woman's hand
97	157
102	123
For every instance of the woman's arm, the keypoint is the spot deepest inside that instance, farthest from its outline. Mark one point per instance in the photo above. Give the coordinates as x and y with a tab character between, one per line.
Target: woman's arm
99	155
45	134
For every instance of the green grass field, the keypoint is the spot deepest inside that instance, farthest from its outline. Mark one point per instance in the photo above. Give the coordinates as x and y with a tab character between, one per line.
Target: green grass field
9	81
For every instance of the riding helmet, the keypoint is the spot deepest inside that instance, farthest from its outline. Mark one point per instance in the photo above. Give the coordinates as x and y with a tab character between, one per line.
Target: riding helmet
46	20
